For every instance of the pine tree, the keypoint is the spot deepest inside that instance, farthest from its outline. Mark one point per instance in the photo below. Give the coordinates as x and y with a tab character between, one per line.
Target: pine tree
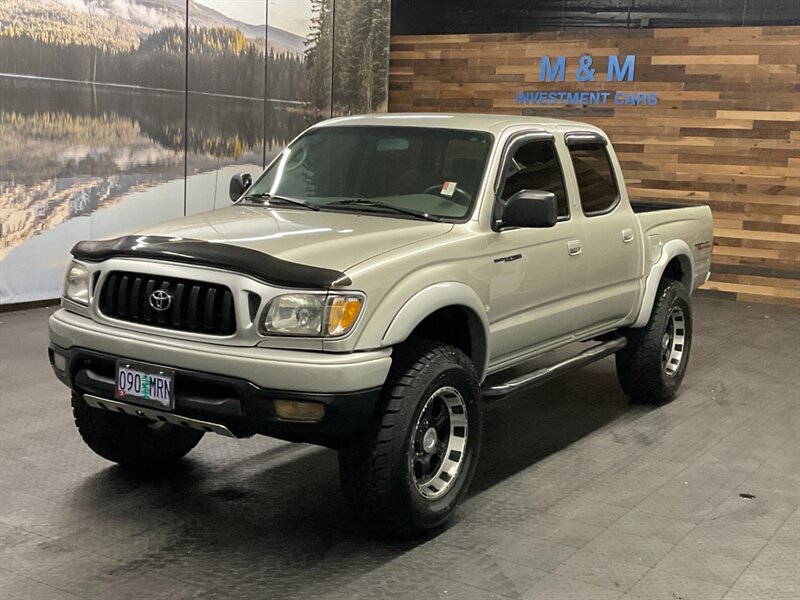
319	55
361	55
380	54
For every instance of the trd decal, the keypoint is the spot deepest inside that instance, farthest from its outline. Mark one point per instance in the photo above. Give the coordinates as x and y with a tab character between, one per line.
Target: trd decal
505	259
703	245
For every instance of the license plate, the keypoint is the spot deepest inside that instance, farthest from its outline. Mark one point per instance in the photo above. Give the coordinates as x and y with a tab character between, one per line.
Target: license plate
145	384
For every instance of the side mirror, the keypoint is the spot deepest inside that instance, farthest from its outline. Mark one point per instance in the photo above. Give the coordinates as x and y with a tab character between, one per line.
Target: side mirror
530	208
239	184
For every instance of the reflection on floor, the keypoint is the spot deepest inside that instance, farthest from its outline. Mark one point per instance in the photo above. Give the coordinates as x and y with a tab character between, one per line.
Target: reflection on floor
579	494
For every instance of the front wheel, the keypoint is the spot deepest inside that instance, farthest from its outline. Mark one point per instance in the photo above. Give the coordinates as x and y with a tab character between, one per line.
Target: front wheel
134	443
414	464
651	366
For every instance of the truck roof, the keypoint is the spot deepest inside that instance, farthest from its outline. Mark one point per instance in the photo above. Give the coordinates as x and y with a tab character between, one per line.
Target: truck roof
492	123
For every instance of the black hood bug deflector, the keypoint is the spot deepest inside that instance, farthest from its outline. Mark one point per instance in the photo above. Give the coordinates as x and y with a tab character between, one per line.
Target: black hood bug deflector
246	261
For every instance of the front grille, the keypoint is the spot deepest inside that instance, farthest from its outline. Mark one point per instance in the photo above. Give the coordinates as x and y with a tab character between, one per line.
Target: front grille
195	306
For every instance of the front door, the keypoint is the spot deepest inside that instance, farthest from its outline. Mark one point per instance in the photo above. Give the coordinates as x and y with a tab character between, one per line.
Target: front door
537	274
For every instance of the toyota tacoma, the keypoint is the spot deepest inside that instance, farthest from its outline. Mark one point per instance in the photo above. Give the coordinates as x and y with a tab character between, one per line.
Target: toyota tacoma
362	290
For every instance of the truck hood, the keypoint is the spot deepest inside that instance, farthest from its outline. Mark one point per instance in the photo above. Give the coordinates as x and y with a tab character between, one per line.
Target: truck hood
323	239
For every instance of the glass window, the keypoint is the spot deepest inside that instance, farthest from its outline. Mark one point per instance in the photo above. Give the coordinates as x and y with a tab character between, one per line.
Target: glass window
422	169
535	166
595	177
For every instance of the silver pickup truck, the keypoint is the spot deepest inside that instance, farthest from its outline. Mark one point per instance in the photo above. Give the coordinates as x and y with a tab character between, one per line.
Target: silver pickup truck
359	293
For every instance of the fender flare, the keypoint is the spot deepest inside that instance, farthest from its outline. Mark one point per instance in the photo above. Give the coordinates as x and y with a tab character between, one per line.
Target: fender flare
670	250
437	296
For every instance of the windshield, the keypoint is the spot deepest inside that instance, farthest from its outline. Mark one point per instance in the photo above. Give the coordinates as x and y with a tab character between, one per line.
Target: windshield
393	171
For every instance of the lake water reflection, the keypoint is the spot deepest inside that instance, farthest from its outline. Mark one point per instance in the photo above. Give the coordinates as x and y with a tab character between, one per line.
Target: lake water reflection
80	161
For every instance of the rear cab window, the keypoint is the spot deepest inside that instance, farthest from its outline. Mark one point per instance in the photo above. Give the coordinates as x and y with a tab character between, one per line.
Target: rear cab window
594	173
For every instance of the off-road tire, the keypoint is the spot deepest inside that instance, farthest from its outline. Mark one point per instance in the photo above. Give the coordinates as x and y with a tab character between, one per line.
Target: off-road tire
130	441
641	369
377	472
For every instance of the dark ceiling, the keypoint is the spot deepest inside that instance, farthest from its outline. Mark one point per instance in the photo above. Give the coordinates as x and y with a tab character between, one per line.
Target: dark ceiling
490	16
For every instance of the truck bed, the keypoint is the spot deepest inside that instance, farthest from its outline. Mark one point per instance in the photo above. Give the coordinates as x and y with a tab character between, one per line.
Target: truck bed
643	206
664	223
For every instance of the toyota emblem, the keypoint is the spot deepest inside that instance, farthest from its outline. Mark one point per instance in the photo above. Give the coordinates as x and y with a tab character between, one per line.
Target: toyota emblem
160	300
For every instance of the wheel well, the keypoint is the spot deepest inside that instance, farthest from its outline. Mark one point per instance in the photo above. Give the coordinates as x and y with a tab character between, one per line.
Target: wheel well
679	269
459	327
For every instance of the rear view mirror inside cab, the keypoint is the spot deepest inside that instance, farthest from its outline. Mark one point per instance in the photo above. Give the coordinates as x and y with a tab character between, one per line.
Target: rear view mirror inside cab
392	144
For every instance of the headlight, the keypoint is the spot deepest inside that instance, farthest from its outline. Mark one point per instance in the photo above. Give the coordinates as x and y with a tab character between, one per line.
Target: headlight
76	284
295	314
313	315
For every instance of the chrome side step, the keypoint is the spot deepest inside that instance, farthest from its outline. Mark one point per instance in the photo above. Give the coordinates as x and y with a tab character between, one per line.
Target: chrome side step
156	415
539	376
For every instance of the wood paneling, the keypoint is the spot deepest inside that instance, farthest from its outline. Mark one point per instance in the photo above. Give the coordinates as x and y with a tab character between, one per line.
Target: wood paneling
725	131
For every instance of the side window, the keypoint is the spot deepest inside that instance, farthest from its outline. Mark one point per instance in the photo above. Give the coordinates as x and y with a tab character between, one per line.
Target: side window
535	166
595	177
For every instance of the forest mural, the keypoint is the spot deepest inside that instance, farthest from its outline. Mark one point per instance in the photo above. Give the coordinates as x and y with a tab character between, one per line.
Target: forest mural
359	54
116	114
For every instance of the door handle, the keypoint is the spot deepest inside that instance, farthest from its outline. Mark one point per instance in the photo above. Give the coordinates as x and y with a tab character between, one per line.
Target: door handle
627	235
574	247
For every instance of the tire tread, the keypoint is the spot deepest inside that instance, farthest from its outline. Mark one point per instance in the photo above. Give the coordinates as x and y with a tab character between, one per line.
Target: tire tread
639	368
368	468
128	441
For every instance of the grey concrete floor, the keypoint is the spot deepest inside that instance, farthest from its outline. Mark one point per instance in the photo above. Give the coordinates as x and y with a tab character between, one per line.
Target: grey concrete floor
578	494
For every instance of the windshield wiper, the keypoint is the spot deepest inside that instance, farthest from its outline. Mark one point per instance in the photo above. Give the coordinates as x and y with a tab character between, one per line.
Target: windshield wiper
270	198
384	205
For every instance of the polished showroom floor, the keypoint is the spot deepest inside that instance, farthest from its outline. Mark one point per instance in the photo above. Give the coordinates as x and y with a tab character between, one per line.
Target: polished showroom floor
579	494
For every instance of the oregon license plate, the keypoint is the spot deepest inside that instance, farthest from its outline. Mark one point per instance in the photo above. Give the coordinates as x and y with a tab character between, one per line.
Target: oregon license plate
145	384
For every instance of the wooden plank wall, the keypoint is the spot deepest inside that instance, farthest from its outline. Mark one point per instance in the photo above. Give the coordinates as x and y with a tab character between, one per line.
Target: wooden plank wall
726	129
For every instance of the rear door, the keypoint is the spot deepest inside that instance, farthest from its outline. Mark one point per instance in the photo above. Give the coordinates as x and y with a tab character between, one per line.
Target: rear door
536	277
609	245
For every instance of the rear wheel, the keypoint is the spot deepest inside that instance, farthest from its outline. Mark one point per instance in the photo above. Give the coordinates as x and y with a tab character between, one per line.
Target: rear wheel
652	365
135	443
414	465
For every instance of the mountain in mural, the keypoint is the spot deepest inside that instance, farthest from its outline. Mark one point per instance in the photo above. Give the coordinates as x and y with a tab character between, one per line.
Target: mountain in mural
118	22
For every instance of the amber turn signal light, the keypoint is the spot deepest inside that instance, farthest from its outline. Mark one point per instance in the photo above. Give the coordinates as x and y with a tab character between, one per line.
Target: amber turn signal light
296	410
342	314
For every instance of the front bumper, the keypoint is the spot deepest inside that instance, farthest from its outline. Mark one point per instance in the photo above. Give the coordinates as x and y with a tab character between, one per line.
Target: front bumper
238	406
271	368
225	385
